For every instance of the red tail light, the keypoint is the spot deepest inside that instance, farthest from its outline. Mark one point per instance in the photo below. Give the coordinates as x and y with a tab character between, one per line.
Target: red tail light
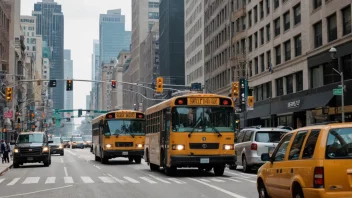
319	177
254	147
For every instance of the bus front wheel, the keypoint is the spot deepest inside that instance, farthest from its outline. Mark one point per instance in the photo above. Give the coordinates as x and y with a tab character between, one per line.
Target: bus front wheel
219	170
138	160
170	171
154	167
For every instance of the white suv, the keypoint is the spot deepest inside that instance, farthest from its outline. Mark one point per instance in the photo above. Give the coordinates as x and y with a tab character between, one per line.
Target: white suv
252	142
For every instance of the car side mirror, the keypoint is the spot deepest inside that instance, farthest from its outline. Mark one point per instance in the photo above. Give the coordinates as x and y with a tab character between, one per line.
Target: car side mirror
49	142
265	157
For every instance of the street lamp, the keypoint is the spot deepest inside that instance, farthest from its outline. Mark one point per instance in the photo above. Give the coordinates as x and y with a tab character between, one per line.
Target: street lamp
333	54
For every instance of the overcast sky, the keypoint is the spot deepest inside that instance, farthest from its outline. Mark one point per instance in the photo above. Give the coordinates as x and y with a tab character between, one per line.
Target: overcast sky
81	28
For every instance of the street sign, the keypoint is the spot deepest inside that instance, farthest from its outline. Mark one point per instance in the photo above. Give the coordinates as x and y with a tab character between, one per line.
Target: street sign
337	92
8	114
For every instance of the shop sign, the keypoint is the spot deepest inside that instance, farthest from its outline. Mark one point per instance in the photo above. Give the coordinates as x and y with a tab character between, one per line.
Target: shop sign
293	104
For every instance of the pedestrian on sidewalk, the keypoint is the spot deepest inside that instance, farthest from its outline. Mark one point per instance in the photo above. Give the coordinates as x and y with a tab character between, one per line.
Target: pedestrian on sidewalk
5	148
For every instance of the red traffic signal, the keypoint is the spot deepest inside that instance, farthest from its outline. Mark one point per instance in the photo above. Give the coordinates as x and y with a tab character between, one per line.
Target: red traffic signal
113	84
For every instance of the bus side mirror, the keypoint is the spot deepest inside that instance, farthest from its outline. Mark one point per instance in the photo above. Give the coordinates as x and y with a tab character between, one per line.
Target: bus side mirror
167	116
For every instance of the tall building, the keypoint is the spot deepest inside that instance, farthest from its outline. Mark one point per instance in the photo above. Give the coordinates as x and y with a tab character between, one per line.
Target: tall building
112	35
29	24
96	73
68	74
194	42
171	41
88	101
50	25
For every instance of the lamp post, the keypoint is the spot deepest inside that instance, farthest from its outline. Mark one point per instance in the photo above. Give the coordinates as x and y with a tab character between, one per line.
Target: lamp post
333	53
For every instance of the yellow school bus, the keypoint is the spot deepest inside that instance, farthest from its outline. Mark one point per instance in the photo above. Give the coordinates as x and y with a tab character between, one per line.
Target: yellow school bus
194	130
119	134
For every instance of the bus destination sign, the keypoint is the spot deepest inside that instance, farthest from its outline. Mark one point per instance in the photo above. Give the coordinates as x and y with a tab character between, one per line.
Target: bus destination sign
203	101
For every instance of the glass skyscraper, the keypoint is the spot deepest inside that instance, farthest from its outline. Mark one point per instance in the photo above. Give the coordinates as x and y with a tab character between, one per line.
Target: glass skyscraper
50	25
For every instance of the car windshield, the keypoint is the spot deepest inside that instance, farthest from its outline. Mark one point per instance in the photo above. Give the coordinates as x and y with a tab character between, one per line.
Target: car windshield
30	138
118	127
202	119
339	144
269	136
56	140
87	138
77	139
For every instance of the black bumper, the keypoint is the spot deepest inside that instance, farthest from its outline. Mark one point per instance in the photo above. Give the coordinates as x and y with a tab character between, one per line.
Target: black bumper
56	151
30	158
121	153
195	161
78	146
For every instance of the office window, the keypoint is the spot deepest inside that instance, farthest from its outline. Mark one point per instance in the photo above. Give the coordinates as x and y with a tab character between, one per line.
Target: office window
299	81
250	44
286	21
316	4
243	20
261	9
298	45
316	77
347	66
256	68
250	69
287	45
277	26
249	19
256	40
276	4
332	28
279	87
289	84
262	63
262	36
268	59
346	20
268	32
153	4
297	14
278	54
153	15
318	37
268	6
255	10
268	90
330	76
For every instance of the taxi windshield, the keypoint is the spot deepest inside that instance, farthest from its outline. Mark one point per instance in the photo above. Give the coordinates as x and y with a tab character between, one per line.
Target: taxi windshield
202	119
118	127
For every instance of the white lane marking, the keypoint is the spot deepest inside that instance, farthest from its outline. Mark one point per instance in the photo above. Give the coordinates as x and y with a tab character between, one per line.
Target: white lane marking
50	180
65	169
117	180
219	189
176	181
1	180
87	180
62	160
148	180
204	180
217	180
14	181
245	179
159	179
16	195
106	180
97	167
31	180
233	180
237	174
70	152
131	180
68	180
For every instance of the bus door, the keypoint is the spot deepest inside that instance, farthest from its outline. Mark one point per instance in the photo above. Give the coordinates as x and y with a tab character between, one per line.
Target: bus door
165	133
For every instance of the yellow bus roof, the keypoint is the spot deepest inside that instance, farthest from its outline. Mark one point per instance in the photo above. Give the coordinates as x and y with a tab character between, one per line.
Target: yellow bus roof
169	102
97	119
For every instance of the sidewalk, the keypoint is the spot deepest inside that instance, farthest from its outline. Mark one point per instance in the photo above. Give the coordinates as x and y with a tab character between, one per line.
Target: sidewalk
5	166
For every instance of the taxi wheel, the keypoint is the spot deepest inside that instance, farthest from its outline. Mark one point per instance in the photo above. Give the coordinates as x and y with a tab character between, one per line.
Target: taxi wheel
297	191
262	190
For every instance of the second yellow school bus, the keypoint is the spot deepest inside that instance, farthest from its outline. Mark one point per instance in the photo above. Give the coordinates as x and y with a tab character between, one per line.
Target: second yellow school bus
193	130
119	134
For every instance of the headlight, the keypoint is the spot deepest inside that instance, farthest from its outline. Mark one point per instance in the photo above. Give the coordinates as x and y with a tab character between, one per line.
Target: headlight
228	147
15	150
45	149
61	146
139	145
178	147
108	146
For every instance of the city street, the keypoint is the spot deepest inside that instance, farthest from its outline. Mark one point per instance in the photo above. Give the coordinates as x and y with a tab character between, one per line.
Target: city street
76	174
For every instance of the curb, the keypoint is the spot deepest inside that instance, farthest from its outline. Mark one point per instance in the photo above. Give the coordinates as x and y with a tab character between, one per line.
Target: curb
5	170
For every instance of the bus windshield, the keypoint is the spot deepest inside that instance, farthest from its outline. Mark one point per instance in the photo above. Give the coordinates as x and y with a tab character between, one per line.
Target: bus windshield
118	127
202	119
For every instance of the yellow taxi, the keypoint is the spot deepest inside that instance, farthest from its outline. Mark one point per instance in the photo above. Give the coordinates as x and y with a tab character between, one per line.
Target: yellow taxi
314	161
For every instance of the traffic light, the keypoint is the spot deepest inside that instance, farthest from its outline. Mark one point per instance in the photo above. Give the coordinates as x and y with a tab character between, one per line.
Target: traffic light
8	94
250	101
113	84
69	85
159	84
235	90
52	83
79	112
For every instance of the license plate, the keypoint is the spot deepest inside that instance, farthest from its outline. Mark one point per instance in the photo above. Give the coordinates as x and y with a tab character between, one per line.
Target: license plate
30	158
204	160
125	153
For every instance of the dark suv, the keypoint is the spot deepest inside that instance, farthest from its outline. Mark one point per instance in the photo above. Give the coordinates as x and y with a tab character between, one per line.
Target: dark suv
56	147
31	147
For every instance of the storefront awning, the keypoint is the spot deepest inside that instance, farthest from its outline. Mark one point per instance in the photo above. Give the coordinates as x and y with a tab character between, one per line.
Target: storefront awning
317	100
260	111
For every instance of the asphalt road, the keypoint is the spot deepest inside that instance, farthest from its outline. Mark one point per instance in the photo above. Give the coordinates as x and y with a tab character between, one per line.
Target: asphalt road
76	174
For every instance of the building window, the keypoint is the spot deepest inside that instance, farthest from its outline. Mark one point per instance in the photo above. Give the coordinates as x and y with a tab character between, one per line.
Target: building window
259	94
277	26
286	21
153	15
278	54
262	62
279	87
249	19
299	81
330	76
250	44
256	40
332	28
268	58
261	9
347	66
268	89
267	6
298	45
318	37
289	84
346	20
287	45
262	36
297	13
276	4
268	32
316	4
250	69
153	4
316	77
243	19
256	66
255	10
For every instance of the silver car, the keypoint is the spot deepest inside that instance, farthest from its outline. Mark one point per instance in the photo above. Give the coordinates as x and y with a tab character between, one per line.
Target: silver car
252	142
